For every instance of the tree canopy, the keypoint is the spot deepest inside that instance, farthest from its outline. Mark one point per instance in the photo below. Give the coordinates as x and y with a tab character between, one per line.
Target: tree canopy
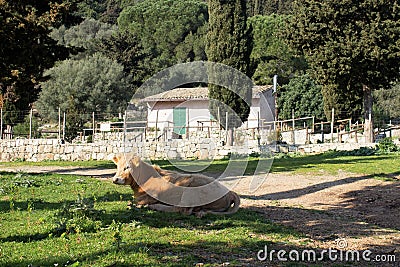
353	47
82	35
270	54
302	96
80	87
229	43
169	31
26	50
268	7
388	101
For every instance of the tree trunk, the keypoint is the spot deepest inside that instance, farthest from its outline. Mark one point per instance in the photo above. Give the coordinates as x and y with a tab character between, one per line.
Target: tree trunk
368	121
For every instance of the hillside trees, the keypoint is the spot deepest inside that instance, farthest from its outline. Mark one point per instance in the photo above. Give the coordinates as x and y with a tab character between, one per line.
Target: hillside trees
268	7
125	48
80	87
82	35
302	96
26	50
352	47
102	10
168	31
229	43
270	54
388	102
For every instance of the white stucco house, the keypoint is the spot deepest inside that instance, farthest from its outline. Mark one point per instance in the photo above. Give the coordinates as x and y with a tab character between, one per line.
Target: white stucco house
185	109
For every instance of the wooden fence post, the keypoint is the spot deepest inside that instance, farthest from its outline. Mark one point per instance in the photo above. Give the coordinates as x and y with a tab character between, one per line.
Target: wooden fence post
30	123
59	123
64	121
322	132
293	126
94	126
124	136
332	123
1	124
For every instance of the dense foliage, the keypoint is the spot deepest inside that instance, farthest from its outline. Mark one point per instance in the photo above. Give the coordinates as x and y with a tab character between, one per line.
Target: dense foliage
26	50
303	97
103	10
168	31
268	7
80	87
353	48
82	35
388	101
271	55
229	43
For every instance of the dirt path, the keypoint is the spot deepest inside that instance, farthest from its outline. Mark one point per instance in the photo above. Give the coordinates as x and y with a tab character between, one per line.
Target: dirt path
361	211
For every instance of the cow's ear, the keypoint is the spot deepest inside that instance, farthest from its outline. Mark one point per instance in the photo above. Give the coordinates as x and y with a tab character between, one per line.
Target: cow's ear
135	161
115	159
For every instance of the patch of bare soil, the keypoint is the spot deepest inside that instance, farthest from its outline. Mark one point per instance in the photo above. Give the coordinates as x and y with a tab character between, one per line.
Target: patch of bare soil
358	211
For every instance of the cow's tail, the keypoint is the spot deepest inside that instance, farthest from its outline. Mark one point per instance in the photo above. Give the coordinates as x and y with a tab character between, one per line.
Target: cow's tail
233	207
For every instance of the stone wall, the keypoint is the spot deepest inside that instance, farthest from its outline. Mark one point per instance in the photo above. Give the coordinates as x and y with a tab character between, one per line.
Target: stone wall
320	148
200	145
52	149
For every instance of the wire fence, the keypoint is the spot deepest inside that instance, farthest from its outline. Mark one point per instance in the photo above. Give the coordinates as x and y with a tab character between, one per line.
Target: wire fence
29	124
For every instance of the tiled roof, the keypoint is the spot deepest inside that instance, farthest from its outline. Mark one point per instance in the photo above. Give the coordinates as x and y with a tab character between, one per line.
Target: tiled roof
197	93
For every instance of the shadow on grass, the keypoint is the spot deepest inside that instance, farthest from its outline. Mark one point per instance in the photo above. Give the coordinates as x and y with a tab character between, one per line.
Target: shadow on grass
162	254
178	252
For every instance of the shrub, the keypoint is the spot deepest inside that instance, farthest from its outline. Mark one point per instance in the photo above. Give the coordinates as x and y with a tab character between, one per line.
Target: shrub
386	145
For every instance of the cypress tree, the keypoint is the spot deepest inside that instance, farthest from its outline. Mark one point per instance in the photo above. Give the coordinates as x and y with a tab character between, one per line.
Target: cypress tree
229	43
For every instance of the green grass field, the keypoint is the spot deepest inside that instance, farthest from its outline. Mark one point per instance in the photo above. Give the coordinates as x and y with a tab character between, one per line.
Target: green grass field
64	220
68	220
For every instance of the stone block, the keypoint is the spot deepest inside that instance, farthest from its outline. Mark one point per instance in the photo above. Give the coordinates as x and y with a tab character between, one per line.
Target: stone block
48	149
69	149
41	149
49	156
103	149
223	152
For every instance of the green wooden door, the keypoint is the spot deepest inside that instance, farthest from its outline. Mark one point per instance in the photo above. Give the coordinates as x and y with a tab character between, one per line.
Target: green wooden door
179	117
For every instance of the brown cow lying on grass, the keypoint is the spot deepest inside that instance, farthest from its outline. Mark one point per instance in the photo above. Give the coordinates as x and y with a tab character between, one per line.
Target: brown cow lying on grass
170	191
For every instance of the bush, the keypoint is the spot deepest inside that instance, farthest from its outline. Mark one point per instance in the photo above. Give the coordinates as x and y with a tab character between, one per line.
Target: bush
386	145
362	151
80	216
22	129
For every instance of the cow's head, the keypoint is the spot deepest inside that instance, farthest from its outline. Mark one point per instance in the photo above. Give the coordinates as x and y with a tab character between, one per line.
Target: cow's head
125	165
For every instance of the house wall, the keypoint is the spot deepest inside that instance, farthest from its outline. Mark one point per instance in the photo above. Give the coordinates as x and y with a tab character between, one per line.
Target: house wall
196	110
267	108
262	108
